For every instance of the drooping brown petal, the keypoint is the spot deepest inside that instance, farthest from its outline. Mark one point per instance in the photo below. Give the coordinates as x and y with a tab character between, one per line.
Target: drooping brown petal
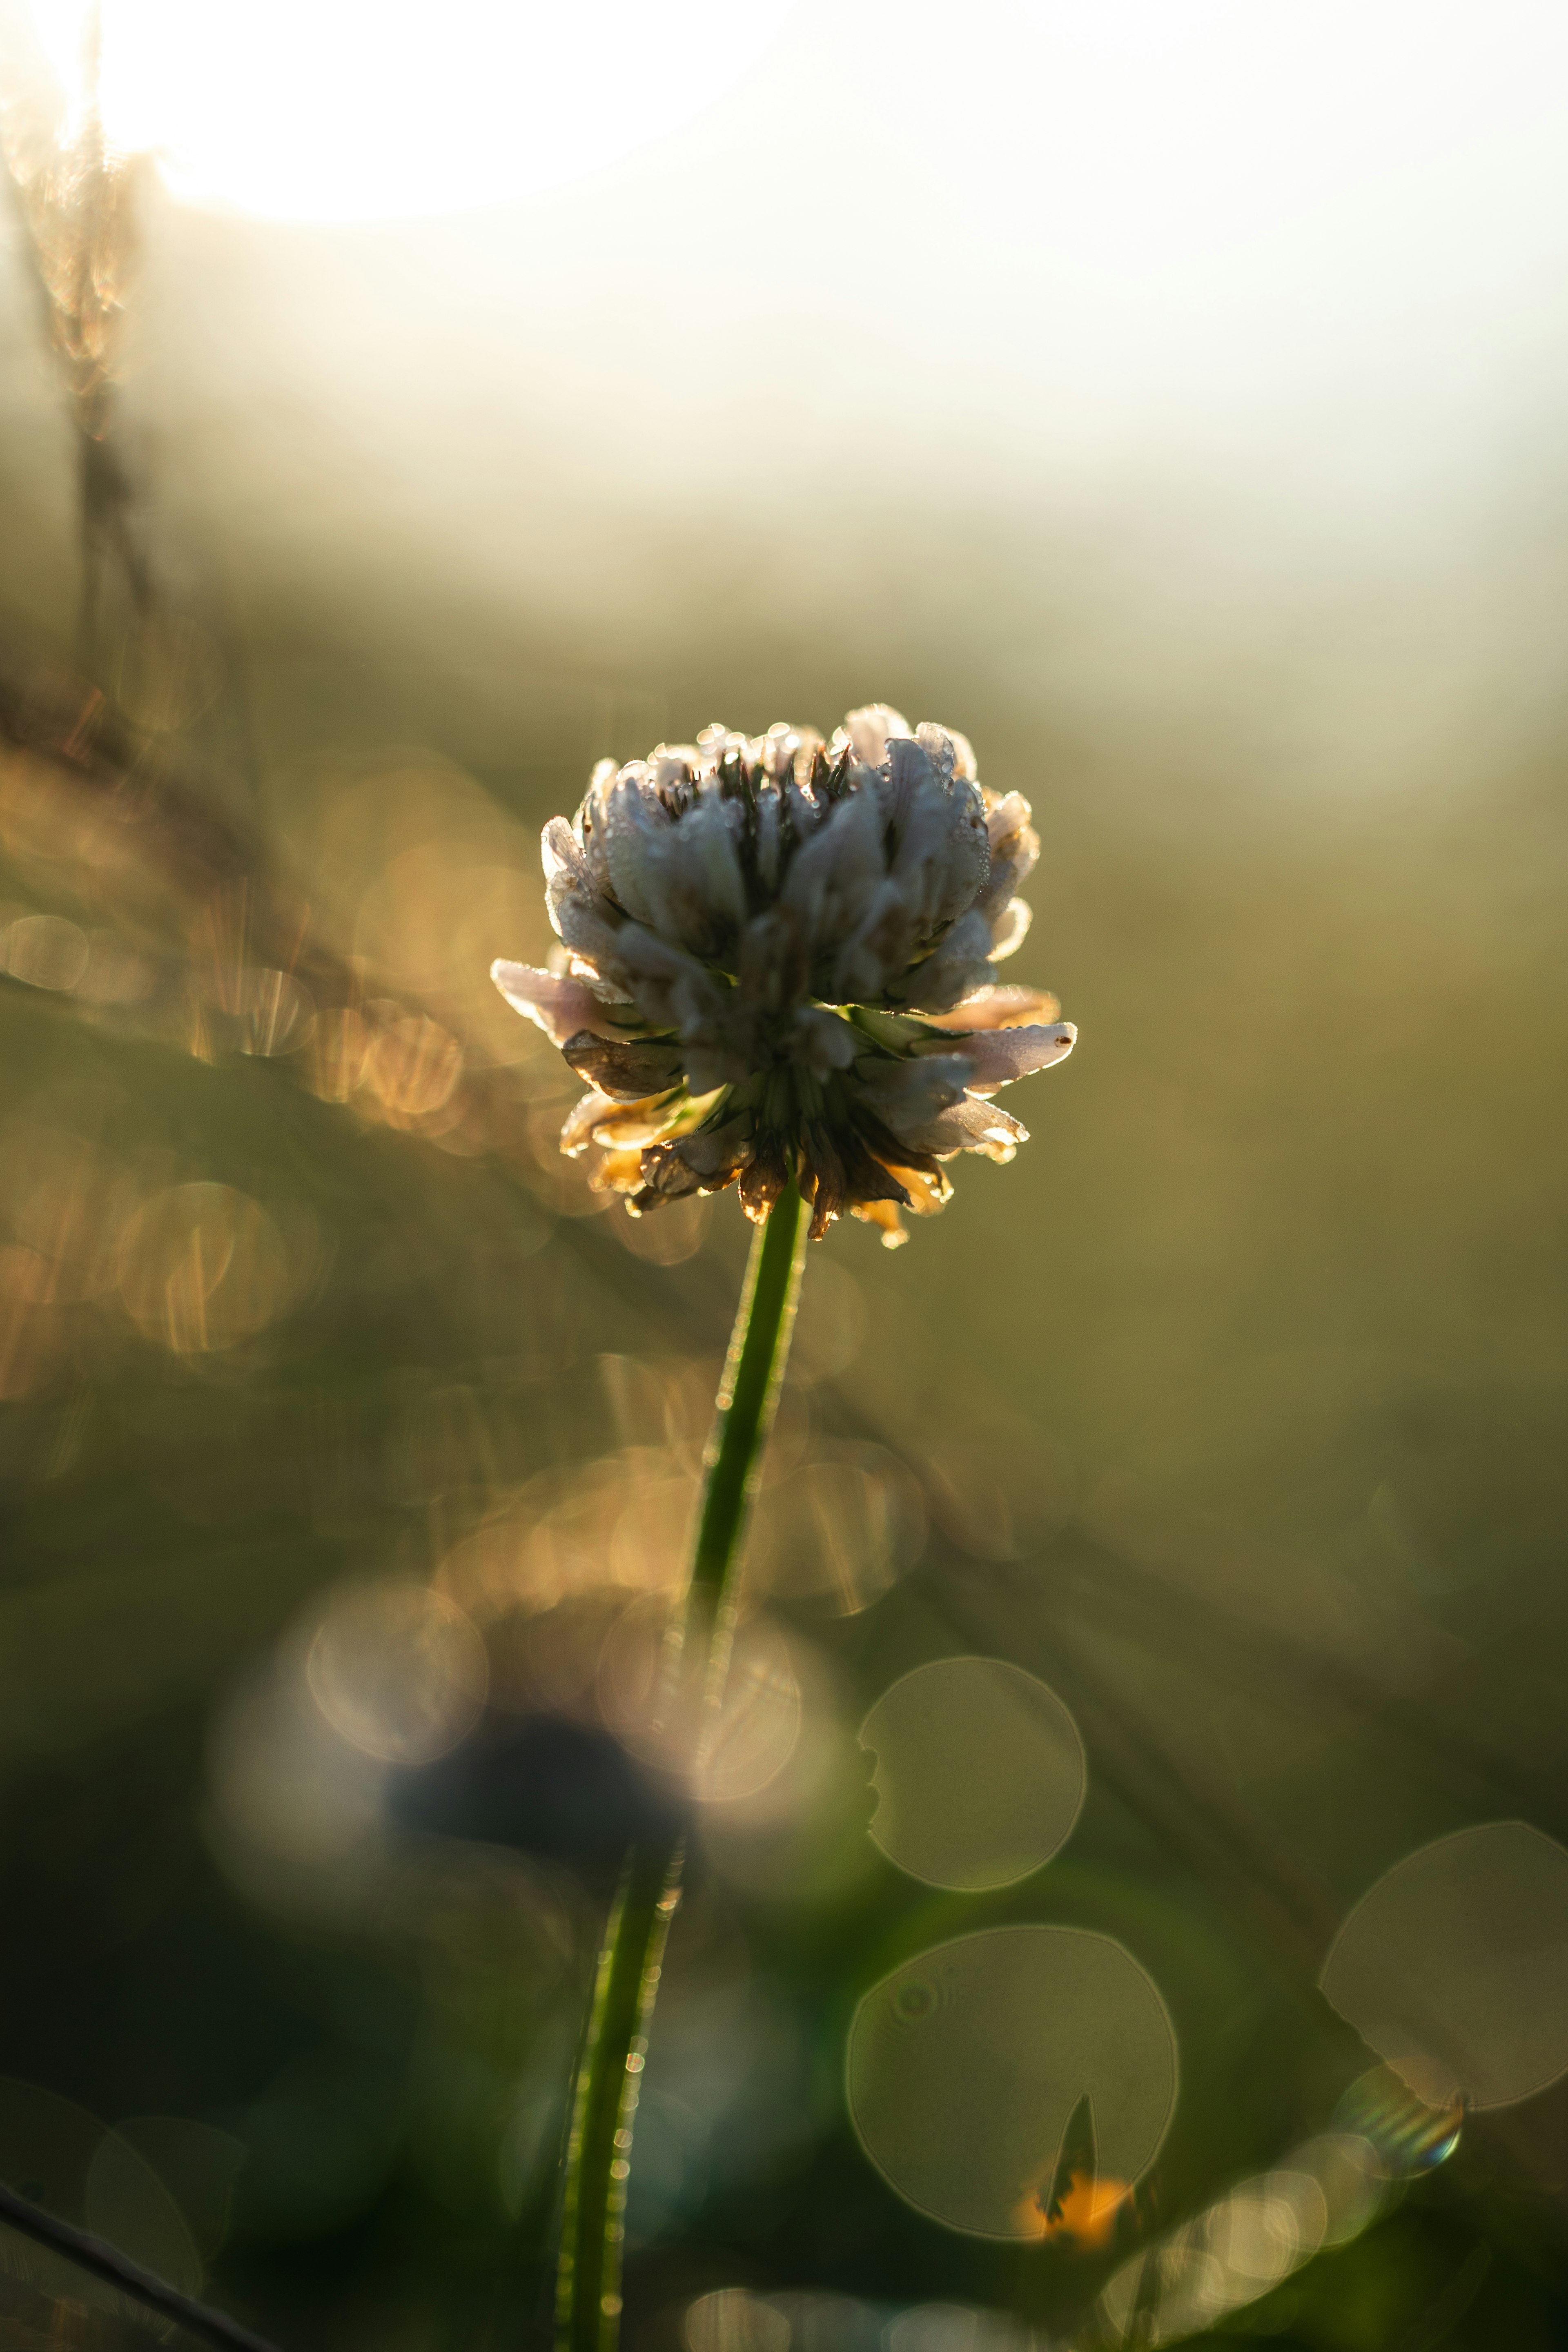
762	1182
639	1123
915	1169
667	1176
867	1178
627	1070
705	1162
929	1186
822	1177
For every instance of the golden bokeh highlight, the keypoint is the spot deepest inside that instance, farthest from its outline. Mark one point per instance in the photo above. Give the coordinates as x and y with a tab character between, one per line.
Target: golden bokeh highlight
203	1267
398	1671
274	1013
675	1234
69	1199
413	1066
730	2320
840	1530
1244	2244
47	952
1453	1966
979	1773
830	1325
340	1052
652	1693
27	1347
966	2065
1002	1497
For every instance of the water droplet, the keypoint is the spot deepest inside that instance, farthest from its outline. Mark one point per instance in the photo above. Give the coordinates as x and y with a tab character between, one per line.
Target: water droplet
915	1999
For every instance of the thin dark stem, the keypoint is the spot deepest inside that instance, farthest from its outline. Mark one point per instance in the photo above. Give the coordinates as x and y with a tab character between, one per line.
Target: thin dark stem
598	2155
105	2261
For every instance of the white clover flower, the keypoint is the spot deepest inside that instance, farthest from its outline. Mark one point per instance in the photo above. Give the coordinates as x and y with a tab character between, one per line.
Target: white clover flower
776	960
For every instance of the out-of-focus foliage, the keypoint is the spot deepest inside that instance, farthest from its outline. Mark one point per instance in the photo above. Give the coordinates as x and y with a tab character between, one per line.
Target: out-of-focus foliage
348	1443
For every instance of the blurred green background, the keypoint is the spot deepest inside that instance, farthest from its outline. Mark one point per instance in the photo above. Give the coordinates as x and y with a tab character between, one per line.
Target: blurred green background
1233	1410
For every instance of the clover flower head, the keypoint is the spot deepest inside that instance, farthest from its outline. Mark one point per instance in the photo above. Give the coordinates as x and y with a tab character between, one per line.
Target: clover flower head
776	960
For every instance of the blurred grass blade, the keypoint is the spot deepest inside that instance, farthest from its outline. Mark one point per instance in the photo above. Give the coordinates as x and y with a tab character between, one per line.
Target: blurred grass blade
107	2263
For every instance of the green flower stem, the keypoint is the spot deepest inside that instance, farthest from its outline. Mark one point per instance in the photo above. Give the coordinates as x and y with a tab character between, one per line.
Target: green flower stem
598	2154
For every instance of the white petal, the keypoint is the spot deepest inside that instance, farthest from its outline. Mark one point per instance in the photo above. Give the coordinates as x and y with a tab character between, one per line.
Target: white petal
971	1126
938	748
563	1008
955	970
566	873
868	731
691	876
634	816
999	1008
824	1041
833	878
1015	850
996	1057
1010	928
907	1095
963	762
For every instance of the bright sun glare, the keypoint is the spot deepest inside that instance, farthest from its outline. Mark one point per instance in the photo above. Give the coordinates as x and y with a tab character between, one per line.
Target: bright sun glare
372	109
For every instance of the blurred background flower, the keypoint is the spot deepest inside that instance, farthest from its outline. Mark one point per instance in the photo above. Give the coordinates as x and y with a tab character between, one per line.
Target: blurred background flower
1184	385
